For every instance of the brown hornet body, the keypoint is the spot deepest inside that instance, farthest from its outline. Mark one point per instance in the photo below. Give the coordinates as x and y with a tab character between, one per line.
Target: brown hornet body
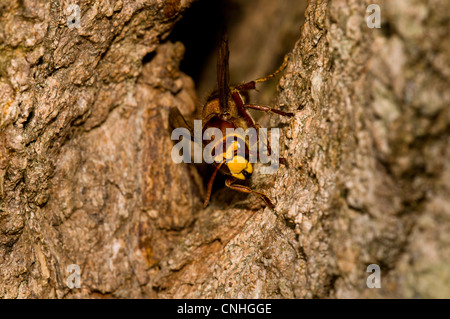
227	108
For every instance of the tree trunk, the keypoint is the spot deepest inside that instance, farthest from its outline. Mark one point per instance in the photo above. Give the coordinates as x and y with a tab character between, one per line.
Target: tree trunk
88	186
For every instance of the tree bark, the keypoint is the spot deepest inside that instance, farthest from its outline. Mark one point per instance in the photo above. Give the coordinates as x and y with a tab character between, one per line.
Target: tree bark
86	176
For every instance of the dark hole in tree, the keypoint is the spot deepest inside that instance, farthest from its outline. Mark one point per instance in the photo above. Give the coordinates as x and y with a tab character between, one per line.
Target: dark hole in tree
271	37
148	57
199	30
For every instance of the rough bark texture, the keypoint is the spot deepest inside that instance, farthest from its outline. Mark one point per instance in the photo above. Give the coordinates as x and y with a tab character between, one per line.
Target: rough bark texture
86	175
